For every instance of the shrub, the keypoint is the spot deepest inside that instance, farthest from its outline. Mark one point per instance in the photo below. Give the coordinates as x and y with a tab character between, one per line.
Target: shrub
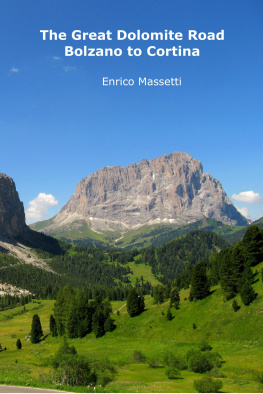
172	360
190	353
215	358
215	373
62	352
74	370
208	385
204	346
194	326
259	377
154	363
104	372
172	373
138	356
199	362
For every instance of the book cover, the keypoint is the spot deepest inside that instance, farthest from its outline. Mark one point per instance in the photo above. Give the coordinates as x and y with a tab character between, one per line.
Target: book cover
87	85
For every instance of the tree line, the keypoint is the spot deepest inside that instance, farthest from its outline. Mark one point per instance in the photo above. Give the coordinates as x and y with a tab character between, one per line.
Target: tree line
231	268
171	259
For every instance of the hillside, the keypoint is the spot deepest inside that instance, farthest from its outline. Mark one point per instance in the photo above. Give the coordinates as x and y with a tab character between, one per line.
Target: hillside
237	235
44	272
240	344
143	237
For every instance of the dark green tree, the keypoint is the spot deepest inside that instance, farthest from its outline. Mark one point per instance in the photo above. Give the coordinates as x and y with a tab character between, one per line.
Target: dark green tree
199	283
247	293
83	310
98	321
19	344
253	245
36	329
233	265
235	305
169	315
109	324
53	326
61	308
135	303
159	294
247	275
174	298
72	320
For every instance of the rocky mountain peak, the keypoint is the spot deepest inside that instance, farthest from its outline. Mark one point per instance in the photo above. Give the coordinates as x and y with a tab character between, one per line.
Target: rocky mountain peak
169	189
12	216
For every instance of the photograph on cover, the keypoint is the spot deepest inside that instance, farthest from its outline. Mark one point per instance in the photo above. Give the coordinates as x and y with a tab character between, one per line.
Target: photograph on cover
131	216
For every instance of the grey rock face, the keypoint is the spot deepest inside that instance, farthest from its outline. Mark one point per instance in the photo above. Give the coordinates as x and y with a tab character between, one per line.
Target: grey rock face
12	216
168	189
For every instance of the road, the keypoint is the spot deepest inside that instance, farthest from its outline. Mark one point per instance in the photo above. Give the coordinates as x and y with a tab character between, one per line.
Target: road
17	389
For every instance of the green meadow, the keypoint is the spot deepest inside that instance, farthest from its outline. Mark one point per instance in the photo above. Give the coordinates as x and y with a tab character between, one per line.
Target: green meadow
237	336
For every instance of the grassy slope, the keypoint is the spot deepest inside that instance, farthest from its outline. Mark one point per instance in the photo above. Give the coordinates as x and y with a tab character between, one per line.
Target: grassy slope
237	336
145	236
139	270
159	234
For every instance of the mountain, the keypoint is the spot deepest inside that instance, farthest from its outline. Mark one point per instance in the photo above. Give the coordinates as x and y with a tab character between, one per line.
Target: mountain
16	238
171	190
12	215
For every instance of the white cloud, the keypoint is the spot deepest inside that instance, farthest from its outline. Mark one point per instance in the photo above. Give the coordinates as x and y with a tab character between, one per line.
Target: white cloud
38	208
244	211
56	58
14	70
249	196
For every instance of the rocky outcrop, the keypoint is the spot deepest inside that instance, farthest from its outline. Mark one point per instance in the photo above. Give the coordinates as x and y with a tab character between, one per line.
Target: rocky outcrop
168	189
12	216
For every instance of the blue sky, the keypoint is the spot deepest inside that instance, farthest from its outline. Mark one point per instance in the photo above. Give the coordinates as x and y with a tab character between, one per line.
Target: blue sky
59	124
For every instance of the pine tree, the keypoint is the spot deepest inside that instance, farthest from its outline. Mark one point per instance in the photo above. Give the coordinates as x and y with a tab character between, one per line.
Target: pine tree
232	268
159	294
53	326
135	303
72	320
174	298
98	321
169	315
235	305
247	293
199	283
83	311
19	344
253	244
109	324
61	308
36	329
